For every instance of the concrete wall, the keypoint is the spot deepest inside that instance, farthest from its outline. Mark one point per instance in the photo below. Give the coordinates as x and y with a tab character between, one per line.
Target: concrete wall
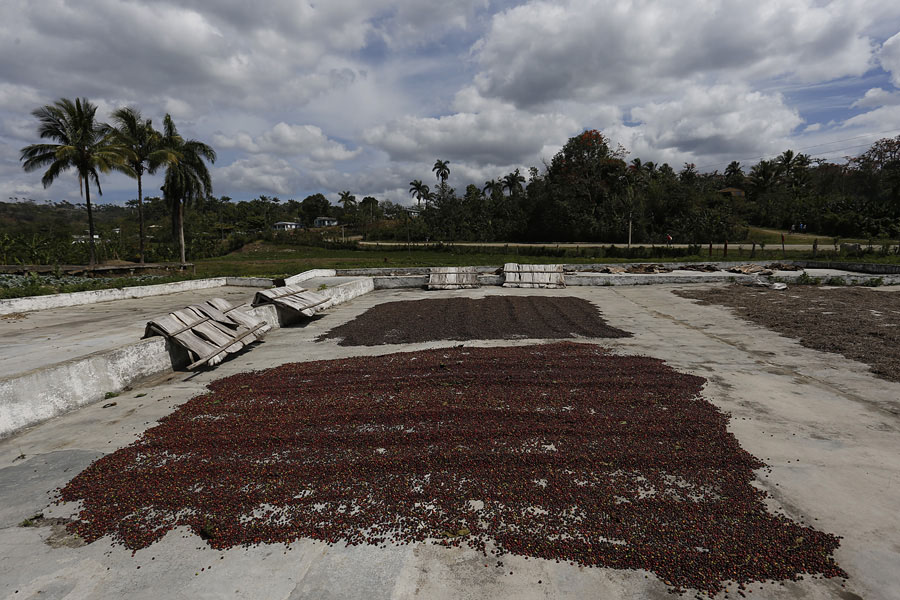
345	292
301	277
870	268
256	282
30	303
28	398
391	282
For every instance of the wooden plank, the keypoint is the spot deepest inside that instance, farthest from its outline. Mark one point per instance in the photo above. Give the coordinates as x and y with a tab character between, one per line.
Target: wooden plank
212	355
293	298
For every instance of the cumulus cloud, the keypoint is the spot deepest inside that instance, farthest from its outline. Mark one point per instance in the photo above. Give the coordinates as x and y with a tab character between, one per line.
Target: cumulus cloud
722	120
496	137
285	140
877	97
889	57
261	174
884	118
591	49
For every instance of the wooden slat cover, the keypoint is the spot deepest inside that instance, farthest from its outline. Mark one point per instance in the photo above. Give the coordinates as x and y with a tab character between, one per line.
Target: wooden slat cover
292	298
452	278
237	315
208	331
533	276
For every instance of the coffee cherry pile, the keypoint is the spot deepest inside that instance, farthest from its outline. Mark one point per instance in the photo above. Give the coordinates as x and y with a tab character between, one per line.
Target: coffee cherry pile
560	452
490	318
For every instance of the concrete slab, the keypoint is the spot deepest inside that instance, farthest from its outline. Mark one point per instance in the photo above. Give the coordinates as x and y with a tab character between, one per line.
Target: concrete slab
54	335
829	430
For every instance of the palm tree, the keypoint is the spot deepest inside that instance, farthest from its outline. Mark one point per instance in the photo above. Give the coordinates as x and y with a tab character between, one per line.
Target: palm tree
492	187
441	169
82	144
419	190
143	153
187	179
763	177
513	182
347	200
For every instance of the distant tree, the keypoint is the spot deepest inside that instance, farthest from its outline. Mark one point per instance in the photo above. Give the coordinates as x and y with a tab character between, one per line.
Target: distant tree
187	179
420	191
82	143
583	178
734	175
441	169
315	205
512	182
492	188
688	173
347	201
143	152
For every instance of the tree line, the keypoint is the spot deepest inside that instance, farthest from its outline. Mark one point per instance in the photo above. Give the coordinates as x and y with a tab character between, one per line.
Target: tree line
588	192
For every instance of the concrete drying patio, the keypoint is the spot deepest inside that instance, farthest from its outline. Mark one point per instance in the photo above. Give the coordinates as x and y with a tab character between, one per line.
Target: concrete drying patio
829	430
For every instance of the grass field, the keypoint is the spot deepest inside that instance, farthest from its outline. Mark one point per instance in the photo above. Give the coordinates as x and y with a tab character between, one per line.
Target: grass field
268	260
773	236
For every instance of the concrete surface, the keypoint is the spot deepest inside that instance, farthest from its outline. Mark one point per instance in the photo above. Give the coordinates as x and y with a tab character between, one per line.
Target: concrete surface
829	430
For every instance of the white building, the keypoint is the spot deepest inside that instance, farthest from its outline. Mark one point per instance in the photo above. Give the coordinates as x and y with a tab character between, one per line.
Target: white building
325	222
286	226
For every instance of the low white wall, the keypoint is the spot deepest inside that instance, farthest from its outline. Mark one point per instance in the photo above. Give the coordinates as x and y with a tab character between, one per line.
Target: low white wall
41	394
257	282
345	292
301	277
31	303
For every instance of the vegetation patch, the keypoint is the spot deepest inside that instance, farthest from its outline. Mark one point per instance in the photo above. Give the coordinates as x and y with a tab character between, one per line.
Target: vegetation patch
559	452
21	286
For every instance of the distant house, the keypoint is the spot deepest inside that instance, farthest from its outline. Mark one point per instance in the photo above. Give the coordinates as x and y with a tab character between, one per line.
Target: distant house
325	222
731	191
81	239
286	226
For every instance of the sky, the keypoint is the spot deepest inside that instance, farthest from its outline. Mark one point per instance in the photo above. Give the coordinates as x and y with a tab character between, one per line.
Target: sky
299	97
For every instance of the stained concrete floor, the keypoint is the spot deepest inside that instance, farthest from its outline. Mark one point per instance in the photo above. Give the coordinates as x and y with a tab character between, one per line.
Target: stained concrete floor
46	337
829	430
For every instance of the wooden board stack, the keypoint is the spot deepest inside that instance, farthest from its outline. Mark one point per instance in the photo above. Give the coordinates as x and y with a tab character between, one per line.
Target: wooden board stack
452	278
533	276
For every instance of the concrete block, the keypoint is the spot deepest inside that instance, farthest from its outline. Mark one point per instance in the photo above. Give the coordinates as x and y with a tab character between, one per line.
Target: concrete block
345	292
301	277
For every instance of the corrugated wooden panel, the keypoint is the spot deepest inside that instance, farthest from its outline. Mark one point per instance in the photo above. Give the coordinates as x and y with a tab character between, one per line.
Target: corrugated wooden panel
293	298
452	278
533	276
208	331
